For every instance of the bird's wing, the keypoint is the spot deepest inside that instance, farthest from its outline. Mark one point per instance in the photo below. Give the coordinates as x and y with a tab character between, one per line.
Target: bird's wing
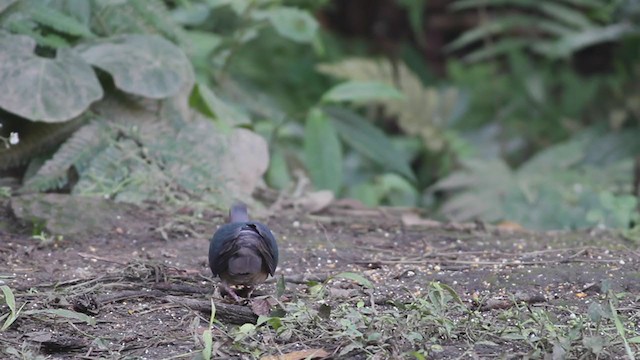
267	247
223	246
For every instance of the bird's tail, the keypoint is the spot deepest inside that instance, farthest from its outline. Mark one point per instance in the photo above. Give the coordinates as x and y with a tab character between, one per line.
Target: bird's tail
238	213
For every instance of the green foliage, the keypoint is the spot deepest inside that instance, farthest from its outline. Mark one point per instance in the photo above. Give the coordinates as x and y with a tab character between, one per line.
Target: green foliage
422	326
10	300
361	91
122	123
145	65
133	148
323	151
61	88
291	23
51	90
361	328
549	27
77	151
561	187
368	140
533	104
422	111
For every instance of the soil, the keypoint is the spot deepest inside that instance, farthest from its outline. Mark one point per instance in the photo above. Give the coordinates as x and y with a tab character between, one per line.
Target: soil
137	284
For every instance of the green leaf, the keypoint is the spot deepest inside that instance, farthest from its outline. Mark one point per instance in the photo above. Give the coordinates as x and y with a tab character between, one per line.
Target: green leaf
146	65
620	327
323	152
572	17
355	277
595	344
43	89
64	313
397	190
415	11
361	91
369	141
278	173
293	24
207	338
367	193
9	299
204	99
450	290
575	41
59	21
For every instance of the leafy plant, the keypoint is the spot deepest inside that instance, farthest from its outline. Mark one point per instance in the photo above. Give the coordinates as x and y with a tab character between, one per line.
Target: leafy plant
561	187
550	28
10	300
122	112
422	111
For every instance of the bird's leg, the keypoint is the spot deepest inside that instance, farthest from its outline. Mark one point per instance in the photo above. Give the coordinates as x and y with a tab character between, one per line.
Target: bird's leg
251	289
231	292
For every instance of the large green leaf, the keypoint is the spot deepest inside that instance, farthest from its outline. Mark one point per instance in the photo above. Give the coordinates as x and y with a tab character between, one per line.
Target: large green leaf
43	89
570	43
361	91
63	20
146	65
369	141
294	24
323	152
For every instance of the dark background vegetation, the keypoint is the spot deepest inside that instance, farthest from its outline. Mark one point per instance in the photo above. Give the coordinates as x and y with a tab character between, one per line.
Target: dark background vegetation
501	111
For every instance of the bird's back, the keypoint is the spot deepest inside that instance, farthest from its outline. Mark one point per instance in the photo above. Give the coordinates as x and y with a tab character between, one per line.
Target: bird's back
243	253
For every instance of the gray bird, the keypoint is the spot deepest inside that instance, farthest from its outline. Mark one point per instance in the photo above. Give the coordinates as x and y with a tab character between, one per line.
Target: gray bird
242	252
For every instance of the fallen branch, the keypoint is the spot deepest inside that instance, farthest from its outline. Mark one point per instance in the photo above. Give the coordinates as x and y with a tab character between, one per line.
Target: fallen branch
302	278
226	313
182	288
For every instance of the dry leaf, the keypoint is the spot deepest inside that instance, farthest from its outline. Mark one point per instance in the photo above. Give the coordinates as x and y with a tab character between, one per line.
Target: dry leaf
413	219
299	355
260	306
316	201
509	226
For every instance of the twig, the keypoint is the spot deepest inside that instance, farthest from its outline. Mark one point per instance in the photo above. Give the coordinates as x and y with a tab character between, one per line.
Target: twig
489	263
181	288
228	313
102	258
493	304
302	278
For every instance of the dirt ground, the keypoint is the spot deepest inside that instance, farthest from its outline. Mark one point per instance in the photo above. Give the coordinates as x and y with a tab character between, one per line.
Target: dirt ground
146	292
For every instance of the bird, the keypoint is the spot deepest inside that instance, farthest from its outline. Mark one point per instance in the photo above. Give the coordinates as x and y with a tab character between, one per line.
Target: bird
242	252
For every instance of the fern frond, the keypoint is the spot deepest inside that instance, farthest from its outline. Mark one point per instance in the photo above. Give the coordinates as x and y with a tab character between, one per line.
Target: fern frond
59	21
36	138
554	28
425	111
76	152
